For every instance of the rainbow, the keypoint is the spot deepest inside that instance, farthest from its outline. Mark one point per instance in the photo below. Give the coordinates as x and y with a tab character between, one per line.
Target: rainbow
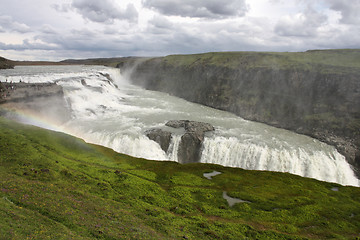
29	117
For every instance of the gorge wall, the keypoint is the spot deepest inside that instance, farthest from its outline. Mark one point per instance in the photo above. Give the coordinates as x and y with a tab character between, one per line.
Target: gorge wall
316	93
45	100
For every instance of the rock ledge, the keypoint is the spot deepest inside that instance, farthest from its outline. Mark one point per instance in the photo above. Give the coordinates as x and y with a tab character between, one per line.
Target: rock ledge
190	143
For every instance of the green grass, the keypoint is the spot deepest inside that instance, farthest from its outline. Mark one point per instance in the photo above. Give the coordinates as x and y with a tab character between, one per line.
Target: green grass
54	186
324	61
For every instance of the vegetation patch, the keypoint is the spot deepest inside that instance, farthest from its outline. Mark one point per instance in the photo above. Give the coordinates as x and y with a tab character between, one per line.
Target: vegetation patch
54	186
324	61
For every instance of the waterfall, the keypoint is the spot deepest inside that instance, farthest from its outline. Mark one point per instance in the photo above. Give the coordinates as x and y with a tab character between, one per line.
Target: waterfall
173	148
327	166
107	110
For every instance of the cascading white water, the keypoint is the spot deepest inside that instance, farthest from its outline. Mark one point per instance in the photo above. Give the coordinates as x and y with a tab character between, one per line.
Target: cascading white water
173	148
322	165
116	114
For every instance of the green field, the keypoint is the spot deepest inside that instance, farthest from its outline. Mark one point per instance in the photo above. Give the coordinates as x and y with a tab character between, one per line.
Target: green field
54	186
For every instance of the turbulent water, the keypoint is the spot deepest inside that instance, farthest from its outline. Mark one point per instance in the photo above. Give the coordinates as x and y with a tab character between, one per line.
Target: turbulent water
114	113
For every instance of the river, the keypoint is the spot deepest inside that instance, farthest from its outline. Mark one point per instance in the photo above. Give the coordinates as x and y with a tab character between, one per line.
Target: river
108	110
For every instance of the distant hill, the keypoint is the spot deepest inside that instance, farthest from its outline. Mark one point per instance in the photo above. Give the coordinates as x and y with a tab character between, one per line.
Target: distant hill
35	63
110	62
5	63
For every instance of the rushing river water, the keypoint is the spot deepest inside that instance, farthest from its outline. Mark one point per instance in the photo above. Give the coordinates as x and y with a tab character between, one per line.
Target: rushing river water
114	113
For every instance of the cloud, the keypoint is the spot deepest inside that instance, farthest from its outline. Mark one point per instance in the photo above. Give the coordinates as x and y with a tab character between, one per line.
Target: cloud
161	25
48	29
105	11
61	8
305	24
56	30
6	22
349	10
27	45
198	8
161	22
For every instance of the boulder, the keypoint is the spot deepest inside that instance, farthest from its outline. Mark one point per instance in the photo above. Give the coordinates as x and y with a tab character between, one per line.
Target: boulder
199	128
190	143
190	126
189	148
176	123
160	136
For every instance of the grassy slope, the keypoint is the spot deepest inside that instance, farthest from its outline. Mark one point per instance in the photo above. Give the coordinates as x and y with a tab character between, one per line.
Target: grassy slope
329	61
53	186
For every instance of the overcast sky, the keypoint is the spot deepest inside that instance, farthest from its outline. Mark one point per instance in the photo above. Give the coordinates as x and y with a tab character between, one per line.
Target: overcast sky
61	29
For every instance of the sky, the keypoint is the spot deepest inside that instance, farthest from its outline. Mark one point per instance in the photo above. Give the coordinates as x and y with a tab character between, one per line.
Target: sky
61	29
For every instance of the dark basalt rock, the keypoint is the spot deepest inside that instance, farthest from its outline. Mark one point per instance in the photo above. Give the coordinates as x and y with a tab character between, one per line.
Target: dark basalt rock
191	141
160	136
176	123
198	127
189	148
191	126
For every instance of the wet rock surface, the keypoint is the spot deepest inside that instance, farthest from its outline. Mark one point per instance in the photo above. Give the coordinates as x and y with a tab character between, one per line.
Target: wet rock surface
189	148
190	143
160	136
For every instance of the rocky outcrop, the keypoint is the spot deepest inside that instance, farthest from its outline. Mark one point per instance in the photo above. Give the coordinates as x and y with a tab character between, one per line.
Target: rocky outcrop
44	100
191	141
314	93
160	136
189	148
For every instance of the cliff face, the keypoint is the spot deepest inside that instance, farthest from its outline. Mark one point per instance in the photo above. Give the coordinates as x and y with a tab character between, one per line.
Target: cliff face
45	100
315	93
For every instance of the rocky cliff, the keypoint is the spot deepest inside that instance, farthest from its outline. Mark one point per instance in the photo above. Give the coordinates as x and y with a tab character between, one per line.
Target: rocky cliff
45	100
316	93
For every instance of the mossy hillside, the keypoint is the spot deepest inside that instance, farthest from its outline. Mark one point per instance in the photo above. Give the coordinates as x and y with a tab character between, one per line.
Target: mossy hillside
54	186
323	61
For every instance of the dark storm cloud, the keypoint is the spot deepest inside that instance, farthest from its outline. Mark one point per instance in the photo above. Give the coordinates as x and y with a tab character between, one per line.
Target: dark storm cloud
350	10
7	23
198	8
104	11
303	24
